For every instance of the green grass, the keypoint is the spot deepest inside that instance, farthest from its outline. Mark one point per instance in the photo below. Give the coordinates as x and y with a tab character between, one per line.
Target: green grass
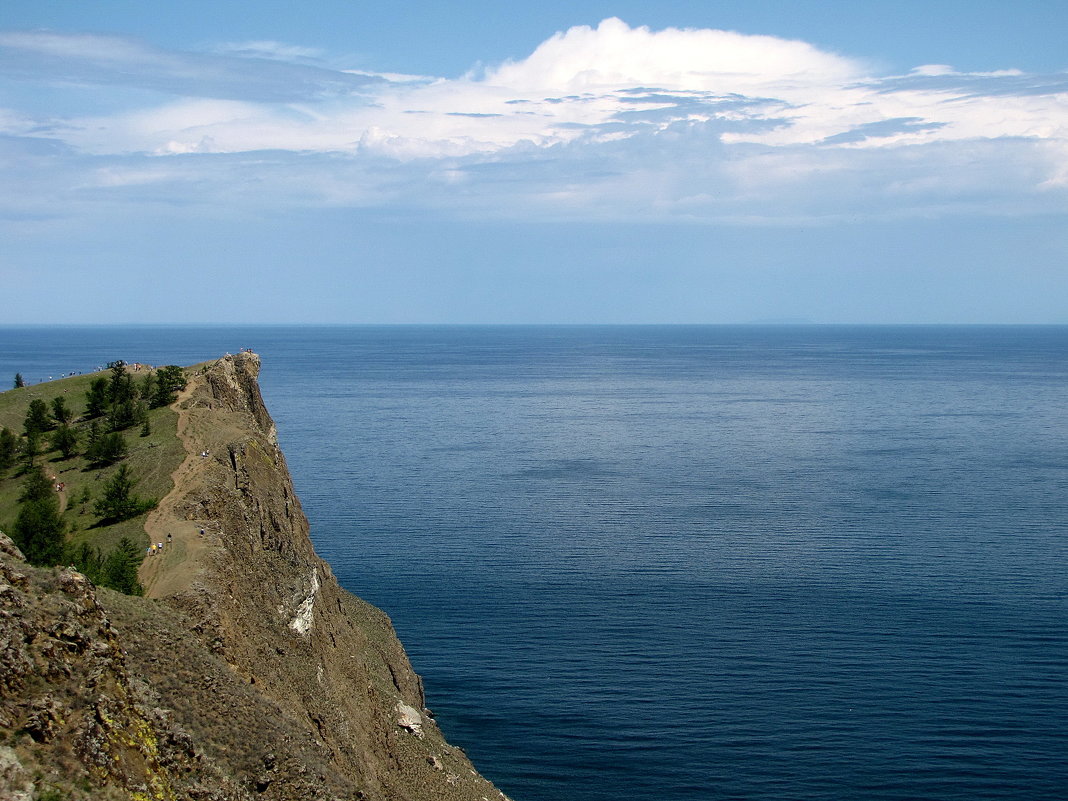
152	460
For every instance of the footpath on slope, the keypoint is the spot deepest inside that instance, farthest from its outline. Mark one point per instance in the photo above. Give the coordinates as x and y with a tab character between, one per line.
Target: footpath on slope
173	568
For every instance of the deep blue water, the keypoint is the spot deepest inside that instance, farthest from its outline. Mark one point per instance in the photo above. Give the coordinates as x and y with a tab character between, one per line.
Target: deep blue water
680	563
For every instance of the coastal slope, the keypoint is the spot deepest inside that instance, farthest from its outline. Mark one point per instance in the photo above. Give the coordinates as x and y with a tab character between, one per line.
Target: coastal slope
245	672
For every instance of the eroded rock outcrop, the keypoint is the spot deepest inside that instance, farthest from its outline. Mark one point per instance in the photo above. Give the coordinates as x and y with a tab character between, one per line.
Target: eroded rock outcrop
247	672
79	721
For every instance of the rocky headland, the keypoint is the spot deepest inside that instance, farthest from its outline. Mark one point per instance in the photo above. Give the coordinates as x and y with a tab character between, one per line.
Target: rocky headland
246	671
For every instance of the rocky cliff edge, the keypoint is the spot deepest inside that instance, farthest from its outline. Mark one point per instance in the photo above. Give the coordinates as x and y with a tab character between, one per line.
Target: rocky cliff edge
245	673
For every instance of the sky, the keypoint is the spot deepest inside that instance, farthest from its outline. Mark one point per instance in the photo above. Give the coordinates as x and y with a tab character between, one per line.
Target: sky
580	162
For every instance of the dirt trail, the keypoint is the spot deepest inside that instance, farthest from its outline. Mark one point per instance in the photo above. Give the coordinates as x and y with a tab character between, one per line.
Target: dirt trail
171	569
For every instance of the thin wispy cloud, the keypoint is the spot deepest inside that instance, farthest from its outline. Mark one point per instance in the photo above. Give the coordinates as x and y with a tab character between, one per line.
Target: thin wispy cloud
611	122
263	73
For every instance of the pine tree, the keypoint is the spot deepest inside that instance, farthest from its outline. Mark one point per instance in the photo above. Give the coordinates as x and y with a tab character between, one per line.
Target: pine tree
19	381
38	529
96	398
88	561
9	448
60	411
38	418
36	487
120	569
147	387
83	500
122	415
120	387
118	503
65	439
106	449
31	447
169	380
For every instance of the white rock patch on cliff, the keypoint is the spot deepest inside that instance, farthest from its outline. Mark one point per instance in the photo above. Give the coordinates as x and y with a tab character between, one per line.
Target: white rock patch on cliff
305	616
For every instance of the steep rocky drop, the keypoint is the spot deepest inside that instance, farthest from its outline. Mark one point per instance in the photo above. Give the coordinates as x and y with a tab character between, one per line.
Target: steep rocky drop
247	671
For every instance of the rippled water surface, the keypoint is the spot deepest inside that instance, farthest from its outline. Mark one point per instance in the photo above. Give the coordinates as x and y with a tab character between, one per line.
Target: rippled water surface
691	563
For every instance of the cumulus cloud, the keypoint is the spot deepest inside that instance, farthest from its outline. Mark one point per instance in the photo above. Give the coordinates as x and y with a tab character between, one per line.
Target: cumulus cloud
614	55
604	122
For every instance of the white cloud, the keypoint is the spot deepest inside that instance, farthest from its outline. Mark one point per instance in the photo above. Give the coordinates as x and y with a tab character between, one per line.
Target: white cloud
605	122
614	56
269	49
111	61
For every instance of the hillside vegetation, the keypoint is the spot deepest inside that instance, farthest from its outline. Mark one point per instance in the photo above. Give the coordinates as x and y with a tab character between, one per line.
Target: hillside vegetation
89	434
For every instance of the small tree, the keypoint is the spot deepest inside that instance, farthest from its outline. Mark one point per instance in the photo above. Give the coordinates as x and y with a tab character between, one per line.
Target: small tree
37	417
31	447
9	448
36	487
147	388
122	415
118	503
88	561
96	398
65	439
19	382
106	449
83	499
121	386
38	529
60	410
169	380
120	569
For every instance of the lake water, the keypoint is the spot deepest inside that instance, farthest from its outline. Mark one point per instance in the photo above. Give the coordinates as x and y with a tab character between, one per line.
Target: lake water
681	563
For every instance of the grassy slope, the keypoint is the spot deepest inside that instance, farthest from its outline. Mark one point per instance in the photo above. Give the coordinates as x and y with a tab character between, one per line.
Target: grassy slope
152	460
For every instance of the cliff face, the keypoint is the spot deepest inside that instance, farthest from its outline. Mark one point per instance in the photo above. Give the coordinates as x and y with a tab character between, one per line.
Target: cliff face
247	672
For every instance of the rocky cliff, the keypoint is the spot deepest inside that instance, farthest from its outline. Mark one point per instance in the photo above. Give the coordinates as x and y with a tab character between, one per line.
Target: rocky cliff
246	672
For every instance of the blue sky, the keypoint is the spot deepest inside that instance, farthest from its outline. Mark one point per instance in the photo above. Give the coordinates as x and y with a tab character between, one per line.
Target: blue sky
588	162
